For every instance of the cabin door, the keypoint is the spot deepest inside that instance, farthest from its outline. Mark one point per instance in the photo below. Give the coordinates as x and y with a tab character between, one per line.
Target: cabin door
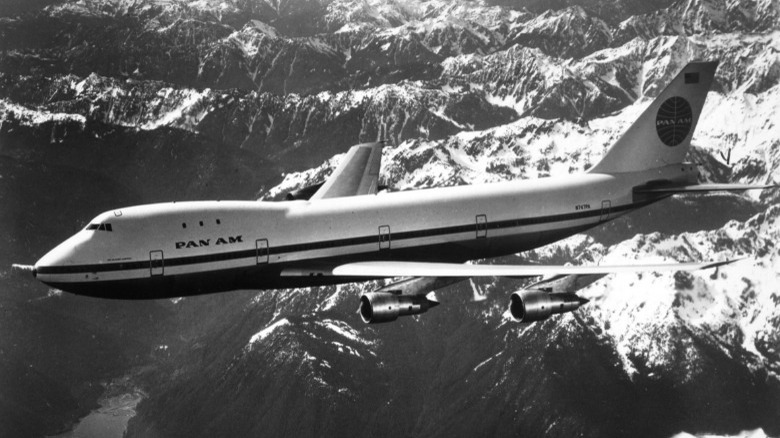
481	226
156	263
606	206
384	237
261	245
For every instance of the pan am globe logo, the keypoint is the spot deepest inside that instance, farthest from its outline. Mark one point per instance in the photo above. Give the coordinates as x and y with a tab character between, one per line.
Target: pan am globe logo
673	121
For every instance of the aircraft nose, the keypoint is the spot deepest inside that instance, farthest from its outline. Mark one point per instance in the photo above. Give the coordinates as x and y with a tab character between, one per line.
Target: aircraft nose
42	266
62	255
59	267
56	257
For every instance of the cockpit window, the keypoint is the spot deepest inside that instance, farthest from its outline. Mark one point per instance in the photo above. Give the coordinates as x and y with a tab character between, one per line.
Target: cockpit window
99	227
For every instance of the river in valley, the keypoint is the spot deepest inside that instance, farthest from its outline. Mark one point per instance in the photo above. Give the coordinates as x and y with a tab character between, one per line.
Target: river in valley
110	419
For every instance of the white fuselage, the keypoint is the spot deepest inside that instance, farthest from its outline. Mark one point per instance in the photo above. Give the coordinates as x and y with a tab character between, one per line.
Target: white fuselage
185	248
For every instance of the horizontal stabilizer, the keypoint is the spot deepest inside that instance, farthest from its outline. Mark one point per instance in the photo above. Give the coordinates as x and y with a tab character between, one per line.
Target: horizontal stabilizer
423	269
694	188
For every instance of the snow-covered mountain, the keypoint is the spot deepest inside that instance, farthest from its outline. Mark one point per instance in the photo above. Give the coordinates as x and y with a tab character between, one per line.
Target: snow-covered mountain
115	102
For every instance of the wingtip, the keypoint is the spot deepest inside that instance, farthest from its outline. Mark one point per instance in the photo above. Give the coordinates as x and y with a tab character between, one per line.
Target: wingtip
724	262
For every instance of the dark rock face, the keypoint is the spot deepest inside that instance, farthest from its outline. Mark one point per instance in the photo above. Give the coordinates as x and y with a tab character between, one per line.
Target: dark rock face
104	104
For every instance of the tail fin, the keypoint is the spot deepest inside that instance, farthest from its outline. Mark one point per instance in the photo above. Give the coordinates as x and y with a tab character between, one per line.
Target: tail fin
662	134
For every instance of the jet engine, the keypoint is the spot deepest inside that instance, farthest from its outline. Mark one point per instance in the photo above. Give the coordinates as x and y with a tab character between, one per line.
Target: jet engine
376	307
535	305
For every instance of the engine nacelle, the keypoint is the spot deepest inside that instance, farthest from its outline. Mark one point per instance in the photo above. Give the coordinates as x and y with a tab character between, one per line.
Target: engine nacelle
536	305
376	307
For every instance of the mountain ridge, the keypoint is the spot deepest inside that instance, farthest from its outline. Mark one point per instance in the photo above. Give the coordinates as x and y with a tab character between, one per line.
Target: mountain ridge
129	102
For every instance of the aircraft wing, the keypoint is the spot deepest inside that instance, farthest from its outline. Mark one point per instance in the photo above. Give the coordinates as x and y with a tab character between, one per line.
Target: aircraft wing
424	269
694	188
357	174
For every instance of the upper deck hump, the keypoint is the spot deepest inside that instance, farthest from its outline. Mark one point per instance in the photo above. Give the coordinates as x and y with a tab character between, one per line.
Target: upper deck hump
185	207
564	187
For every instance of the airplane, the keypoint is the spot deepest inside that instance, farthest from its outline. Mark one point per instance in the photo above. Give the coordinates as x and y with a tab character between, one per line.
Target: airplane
348	230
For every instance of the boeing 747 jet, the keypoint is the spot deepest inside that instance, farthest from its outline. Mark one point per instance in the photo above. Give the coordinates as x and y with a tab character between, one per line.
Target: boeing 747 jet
342	231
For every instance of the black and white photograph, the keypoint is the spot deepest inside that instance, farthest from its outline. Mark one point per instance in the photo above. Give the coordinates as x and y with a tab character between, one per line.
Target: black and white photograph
389	218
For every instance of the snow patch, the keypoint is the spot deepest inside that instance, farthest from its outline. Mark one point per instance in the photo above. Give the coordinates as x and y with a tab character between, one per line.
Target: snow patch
264	333
343	329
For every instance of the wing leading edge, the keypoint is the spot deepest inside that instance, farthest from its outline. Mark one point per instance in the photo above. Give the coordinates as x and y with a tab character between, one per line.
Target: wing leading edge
357	174
388	269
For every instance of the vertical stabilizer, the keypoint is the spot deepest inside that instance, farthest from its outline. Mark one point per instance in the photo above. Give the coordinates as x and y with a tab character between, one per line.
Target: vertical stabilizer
662	134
